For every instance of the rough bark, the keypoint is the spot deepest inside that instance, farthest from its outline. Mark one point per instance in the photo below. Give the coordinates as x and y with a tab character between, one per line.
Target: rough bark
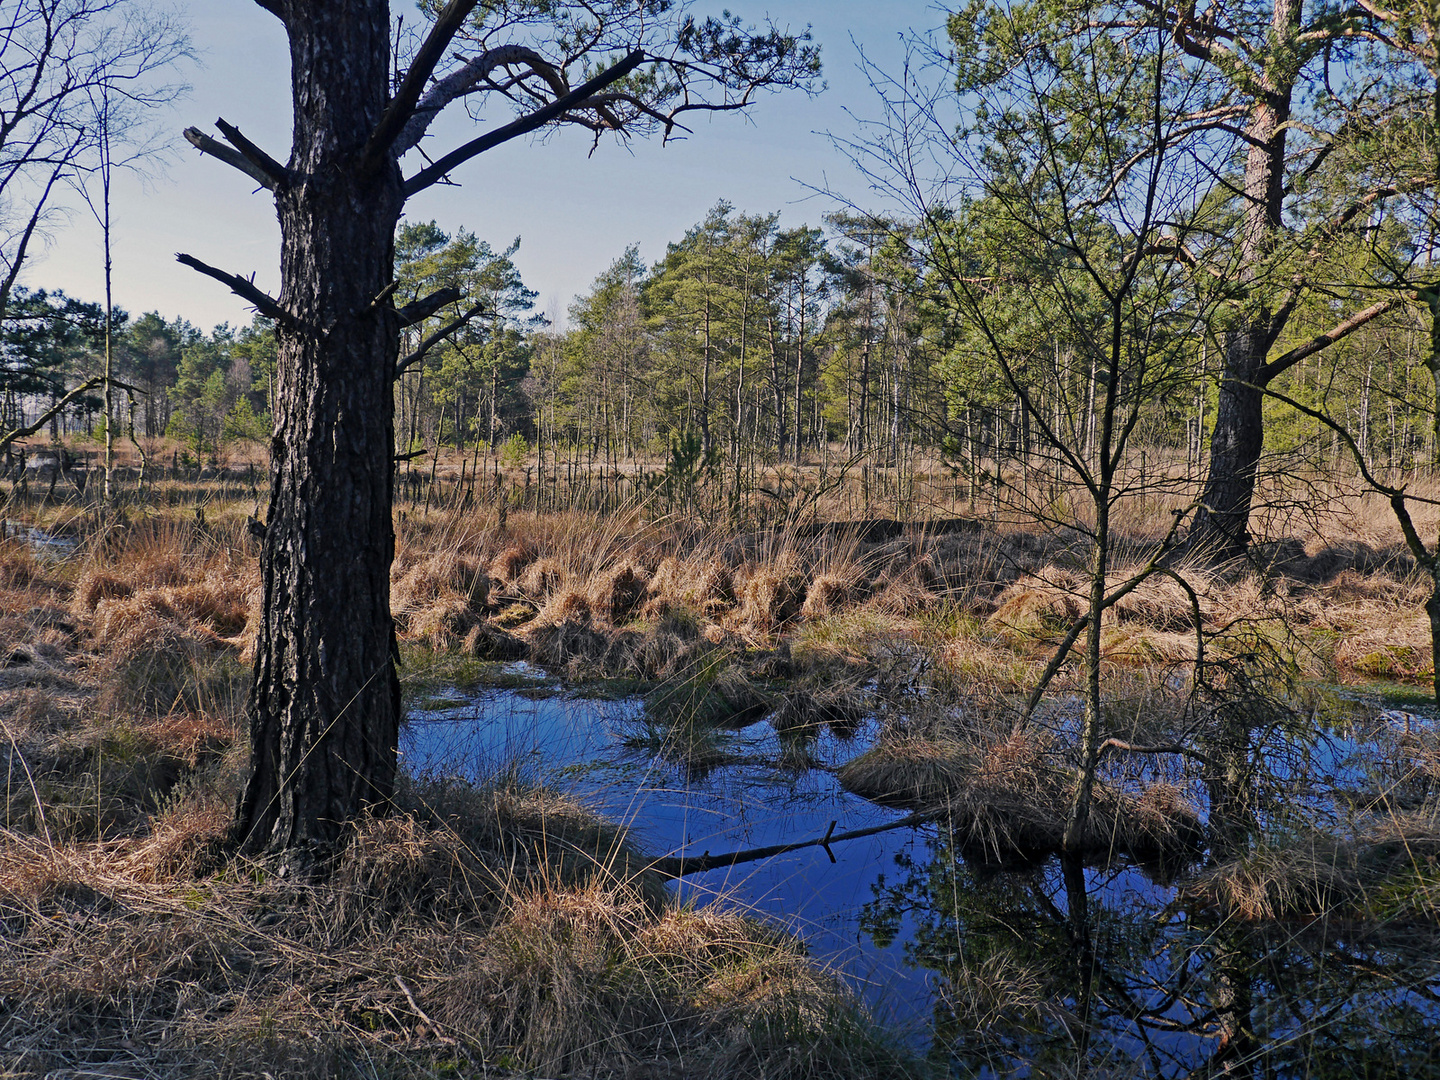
325	702
1221	524
1221	528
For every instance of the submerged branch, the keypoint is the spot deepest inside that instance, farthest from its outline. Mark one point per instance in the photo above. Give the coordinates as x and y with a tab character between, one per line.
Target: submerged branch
677	866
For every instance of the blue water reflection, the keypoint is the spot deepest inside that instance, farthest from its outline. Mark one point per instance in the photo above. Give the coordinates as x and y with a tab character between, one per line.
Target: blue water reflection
915	926
580	746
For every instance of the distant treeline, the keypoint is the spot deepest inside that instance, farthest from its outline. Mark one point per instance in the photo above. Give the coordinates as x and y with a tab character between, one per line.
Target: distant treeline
746	343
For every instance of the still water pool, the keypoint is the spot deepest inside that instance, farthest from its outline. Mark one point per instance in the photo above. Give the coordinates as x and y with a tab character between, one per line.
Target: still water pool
598	750
1040	971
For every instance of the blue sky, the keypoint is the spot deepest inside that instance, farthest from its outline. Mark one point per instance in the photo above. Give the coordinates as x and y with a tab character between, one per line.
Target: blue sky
574	211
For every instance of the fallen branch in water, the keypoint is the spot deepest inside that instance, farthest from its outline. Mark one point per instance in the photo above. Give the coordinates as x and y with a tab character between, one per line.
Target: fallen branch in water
677	866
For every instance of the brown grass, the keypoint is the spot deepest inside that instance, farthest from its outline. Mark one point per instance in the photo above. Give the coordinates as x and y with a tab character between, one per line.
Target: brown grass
512	935
1008	799
1040	604
522	929
1385	871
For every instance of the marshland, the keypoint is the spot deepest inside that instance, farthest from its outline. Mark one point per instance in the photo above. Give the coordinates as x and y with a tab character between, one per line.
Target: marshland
982	620
595	698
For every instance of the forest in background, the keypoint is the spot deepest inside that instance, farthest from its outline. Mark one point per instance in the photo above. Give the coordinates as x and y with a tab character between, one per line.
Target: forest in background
921	522
746	347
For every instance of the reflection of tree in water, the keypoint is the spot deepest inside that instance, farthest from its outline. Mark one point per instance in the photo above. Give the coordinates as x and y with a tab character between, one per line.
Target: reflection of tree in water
1063	973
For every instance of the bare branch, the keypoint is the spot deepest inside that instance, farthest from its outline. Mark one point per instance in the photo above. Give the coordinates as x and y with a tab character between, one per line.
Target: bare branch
1163	748
439	336
216	149
1057	661
1397	496
526	124
464	80
382	297
419	310
257	157
55	410
17	261
1324	341
669	122
377	149
263	302
677	866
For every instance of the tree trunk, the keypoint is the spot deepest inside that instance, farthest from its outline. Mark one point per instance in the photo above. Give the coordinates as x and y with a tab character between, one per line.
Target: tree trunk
777	384
325	701
705	444
799	370
1221	524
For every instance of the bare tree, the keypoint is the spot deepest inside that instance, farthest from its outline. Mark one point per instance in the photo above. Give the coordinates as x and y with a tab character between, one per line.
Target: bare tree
325	702
77	80
57	58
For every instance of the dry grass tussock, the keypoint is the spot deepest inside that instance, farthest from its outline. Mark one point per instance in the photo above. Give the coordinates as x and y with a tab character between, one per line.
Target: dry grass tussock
1008	798
540	573
82	777
486	928
1040	604
1386	871
168	609
571	591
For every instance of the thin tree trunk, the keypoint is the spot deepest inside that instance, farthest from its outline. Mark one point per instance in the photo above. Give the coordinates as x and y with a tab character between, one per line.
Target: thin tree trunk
109	492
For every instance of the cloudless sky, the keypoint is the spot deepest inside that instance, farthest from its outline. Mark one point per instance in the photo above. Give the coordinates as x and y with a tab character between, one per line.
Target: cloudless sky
575	211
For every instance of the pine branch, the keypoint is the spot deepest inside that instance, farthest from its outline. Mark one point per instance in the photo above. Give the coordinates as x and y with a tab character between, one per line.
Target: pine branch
437	337
218	150
402	107
422	309
526	124
278	173
263	302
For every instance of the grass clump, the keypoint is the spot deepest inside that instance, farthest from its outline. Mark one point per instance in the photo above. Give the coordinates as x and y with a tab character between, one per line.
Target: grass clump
1007	799
1387	871
494	927
580	983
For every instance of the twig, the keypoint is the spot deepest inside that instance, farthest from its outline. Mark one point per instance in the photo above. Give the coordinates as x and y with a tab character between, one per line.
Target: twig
421	1012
